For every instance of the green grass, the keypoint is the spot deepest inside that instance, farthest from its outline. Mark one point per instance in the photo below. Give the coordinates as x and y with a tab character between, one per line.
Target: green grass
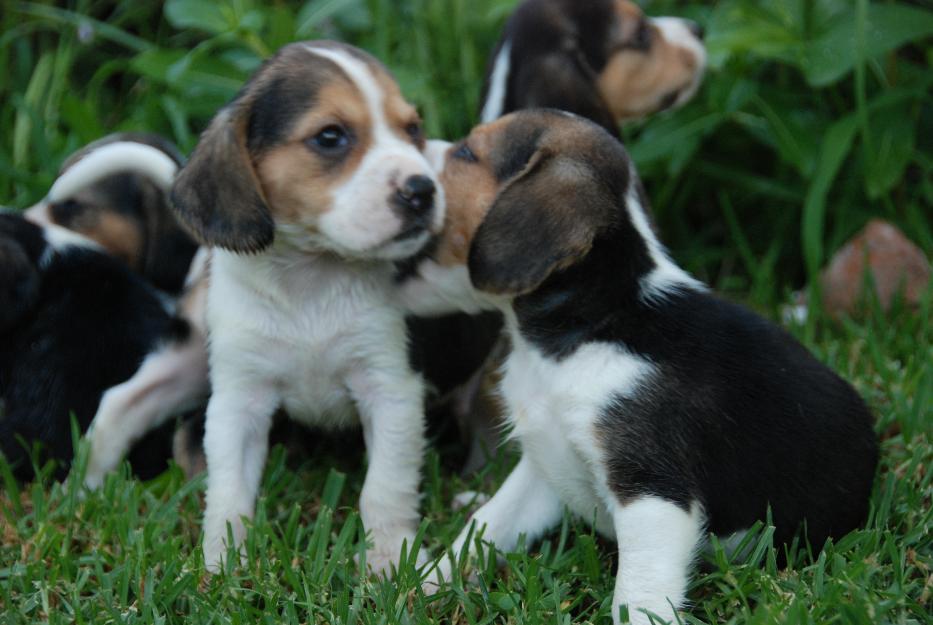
805	128
130	552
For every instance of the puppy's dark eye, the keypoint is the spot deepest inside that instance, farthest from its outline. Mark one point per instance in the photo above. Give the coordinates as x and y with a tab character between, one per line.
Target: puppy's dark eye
464	153
65	210
642	39
332	140
414	131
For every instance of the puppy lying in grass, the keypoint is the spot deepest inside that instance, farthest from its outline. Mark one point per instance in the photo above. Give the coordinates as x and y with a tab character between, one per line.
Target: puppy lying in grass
641	401
90	276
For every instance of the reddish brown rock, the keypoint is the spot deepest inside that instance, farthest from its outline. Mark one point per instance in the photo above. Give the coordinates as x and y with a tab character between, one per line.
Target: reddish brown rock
894	263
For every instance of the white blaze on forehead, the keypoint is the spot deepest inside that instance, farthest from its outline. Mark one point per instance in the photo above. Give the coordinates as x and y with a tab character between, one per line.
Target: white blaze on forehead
115	158
363	78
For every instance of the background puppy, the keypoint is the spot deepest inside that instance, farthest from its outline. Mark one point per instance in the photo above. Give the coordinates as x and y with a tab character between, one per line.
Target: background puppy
601	59
309	185
118	198
641	401
113	192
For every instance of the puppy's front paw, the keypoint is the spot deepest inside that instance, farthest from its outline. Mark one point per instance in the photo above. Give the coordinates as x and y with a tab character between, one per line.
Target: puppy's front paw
386	551
440	573
471	500
215	544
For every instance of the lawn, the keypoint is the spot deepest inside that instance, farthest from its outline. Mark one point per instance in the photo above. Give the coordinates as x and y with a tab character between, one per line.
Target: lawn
815	116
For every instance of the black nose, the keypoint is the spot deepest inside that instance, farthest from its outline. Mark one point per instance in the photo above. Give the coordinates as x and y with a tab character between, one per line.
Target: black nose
698	31
418	193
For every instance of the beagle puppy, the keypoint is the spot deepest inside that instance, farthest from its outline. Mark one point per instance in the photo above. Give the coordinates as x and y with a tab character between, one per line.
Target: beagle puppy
602	59
308	186
641	401
114	191
81	310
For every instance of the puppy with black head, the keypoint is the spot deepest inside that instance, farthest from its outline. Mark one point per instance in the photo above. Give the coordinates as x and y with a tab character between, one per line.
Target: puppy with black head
602	59
641	401
308	187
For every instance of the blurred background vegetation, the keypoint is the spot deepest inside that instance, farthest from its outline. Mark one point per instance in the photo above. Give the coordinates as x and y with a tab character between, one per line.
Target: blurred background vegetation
815	115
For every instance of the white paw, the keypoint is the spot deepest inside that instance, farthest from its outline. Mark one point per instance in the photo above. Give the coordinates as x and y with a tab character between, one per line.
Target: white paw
437	575
94	478
468	499
215	544
385	554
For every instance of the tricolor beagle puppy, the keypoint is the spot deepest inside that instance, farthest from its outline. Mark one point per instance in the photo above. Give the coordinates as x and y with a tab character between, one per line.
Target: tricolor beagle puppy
602	59
81	310
641	401
308	187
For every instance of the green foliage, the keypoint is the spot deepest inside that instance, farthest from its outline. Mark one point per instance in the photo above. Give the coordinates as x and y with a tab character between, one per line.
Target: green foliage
816	115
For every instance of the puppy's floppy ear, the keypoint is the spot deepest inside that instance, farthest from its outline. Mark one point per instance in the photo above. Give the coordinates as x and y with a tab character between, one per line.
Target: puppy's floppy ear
217	195
542	221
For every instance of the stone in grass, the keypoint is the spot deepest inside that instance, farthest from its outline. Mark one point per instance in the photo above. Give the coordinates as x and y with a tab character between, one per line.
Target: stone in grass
893	262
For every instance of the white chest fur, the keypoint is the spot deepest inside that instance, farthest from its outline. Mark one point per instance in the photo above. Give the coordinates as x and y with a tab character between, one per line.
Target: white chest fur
554	408
304	325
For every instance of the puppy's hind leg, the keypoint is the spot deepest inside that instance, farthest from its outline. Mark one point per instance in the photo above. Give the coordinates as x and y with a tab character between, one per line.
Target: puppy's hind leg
168	383
657	543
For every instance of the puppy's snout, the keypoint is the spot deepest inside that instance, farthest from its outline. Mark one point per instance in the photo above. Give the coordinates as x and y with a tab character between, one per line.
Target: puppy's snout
696	29
417	193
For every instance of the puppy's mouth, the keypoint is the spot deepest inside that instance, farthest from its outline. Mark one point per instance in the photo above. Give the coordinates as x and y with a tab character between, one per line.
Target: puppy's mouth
417	227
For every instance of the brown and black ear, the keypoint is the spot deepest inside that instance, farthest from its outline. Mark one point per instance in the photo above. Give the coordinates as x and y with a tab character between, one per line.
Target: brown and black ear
542	221
217	195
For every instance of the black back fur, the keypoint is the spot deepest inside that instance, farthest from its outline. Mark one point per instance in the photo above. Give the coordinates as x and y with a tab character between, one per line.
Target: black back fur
738	417
87	327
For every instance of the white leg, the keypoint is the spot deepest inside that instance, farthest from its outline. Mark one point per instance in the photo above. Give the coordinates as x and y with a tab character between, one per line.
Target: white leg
524	505
391	408
168	383
657	543
236	439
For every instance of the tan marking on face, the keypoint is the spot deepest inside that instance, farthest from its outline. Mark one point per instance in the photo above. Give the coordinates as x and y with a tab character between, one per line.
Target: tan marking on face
297	181
119	235
629	15
633	83
470	189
